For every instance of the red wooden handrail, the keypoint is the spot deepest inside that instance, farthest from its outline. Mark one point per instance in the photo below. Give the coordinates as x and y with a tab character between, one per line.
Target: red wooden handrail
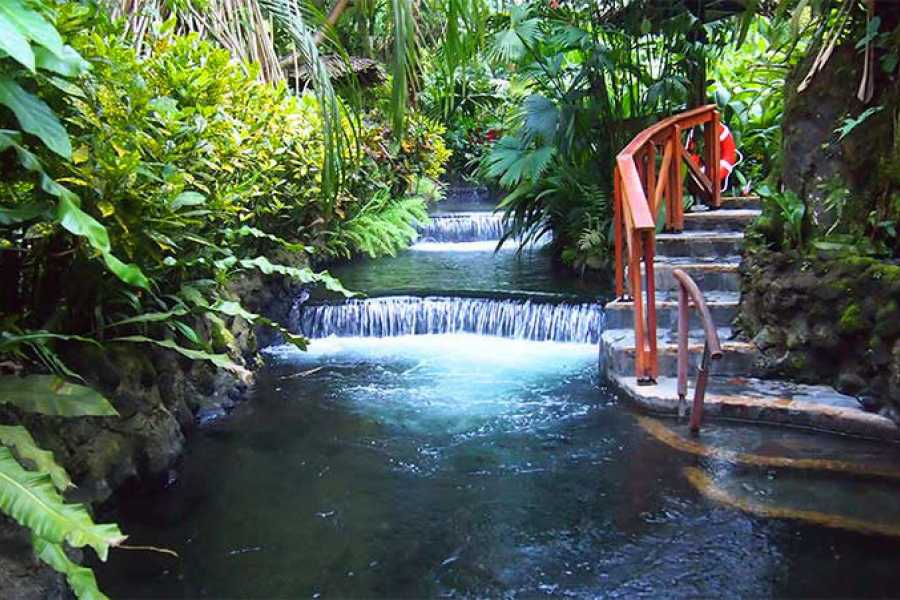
638	193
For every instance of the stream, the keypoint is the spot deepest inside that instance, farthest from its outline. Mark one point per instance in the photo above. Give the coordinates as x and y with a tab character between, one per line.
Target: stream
450	436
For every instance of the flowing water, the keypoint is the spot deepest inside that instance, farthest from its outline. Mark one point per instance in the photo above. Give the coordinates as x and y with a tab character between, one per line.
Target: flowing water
433	444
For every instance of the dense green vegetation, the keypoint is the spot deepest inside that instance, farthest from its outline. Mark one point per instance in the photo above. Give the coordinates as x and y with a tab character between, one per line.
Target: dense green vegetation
151	157
136	189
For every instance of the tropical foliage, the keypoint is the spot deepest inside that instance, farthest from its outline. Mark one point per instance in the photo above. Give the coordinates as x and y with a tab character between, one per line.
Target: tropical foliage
139	180
586	84
154	153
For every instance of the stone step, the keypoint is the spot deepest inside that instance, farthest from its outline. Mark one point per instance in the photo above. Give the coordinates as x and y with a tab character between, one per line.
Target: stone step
795	449
723	307
711	275
765	401
733	220
738	202
618	353
822	500
700	244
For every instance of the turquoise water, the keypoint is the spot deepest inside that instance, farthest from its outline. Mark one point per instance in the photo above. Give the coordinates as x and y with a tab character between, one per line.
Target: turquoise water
460	466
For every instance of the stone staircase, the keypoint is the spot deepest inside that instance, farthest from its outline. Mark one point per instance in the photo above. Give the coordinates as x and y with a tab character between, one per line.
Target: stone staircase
709	250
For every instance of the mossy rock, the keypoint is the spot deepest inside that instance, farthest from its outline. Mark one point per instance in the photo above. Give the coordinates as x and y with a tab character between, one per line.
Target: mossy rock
852	321
221	338
887	321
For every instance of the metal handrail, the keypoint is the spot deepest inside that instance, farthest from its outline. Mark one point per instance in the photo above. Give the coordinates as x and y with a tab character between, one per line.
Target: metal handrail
638	194
712	349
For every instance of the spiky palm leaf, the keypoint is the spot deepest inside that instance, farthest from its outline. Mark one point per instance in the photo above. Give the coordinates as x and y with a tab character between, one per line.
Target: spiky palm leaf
292	17
522	32
513	162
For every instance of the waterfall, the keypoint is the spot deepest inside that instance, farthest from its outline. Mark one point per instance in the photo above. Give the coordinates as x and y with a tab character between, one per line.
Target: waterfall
462	227
407	315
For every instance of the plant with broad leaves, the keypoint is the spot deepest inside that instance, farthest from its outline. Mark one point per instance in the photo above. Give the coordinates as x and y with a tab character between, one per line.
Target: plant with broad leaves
32	483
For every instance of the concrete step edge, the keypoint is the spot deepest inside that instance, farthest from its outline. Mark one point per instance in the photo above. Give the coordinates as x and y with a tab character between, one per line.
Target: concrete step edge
662	398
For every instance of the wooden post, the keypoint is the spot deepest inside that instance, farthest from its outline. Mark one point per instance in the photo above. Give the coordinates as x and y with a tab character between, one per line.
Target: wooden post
714	159
652	370
677	182
640	358
619	230
650	180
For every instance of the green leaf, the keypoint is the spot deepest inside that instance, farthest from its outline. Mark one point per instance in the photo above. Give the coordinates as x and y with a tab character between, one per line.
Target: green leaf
246	231
234	309
66	86
35	117
188	199
17	437
15	44
79	223
53	395
68	63
8	341
130	273
153	317
541	119
219	360
80	579
32	24
30	499
303	275
20	214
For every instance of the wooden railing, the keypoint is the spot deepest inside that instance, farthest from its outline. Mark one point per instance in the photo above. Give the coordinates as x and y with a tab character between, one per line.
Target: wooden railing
644	181
689	293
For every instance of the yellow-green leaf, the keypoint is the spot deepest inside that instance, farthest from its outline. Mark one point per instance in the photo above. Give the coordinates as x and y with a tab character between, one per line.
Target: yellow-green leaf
53	395
81	579
30	499
18	438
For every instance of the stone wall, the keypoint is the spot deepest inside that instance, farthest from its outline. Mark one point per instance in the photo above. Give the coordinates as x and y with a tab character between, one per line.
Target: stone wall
821	317
160	396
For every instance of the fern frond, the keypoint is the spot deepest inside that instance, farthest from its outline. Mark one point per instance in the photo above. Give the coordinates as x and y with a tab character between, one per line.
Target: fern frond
18	438
30	499
384	227
81	579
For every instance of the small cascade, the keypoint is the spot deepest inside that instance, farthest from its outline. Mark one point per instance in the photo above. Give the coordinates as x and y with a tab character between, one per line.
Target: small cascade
462	227
407	315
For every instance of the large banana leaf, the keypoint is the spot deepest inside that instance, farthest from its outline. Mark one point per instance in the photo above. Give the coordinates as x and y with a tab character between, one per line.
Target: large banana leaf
17	437
32	501
53	395
81	579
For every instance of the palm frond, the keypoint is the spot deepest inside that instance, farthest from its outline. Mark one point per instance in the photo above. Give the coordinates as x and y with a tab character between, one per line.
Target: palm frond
404	61
292	16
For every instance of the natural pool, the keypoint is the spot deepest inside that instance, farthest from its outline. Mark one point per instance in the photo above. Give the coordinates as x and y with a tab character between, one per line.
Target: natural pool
449	464
458	465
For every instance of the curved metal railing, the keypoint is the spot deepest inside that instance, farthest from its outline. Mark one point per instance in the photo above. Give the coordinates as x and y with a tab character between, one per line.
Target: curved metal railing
639	194
712	349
